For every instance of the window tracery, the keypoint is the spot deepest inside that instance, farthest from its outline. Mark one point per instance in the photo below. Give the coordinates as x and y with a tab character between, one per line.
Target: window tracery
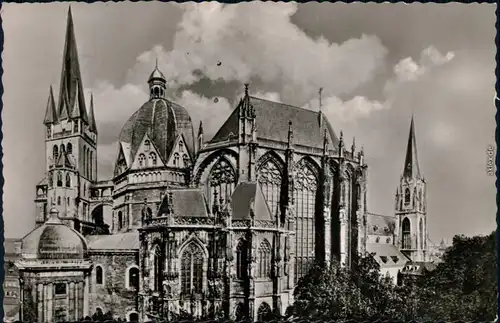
176	159
147	145
241	259
68	180
305	189
222	180
55	153
69	148
185	160
264	259
59	179
422	236
157	264
406	243
407	196
270	180
192	270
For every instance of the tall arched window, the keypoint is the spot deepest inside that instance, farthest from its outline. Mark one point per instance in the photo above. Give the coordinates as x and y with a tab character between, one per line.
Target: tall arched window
133	278
415	198
55	153
91	167
147	145
142	160
158	272
58	200
421	201
407	196
185	160
270	181
241	259
222	181
264	313
69	148
98	275
264	259
192	270
306	186
51	179
59	179
152	159
176	159
421	233
406	234
68	180
84	161
120	220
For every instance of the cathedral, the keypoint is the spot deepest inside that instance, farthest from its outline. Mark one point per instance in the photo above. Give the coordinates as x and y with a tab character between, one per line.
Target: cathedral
190	225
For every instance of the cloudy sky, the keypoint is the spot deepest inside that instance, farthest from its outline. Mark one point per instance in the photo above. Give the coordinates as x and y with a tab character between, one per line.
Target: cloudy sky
377	63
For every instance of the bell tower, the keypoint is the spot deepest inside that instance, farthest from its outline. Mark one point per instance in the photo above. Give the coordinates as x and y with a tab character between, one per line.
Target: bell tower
70	142
411	205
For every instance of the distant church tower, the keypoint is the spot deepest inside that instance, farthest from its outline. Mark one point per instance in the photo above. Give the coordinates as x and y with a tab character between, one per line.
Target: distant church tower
411	206
71	143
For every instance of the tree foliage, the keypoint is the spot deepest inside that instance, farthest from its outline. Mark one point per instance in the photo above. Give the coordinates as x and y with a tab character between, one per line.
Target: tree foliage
462	287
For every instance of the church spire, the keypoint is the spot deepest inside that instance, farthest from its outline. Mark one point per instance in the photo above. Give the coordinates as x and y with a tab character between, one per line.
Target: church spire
92	122
50	113
157	83
411	167
71	99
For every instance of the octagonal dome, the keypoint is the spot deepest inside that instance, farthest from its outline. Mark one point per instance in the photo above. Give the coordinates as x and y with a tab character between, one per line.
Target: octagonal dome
163	121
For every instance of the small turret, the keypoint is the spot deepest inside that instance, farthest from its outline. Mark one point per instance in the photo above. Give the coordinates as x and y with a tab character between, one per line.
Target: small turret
157	83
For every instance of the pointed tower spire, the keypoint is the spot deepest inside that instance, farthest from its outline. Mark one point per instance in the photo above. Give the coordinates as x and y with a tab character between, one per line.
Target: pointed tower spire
200	136
71	99
92	123
411	167
50	113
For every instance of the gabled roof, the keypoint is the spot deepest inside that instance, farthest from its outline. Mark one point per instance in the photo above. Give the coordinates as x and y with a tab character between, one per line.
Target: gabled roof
247	199
272	124
378	224
386	255
117	241
188	202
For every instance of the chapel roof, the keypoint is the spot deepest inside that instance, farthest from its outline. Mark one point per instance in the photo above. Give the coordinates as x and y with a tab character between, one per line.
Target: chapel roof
188	202
53	240
248	199
272	124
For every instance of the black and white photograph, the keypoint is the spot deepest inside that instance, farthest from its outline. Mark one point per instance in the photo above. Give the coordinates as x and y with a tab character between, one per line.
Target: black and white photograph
249	162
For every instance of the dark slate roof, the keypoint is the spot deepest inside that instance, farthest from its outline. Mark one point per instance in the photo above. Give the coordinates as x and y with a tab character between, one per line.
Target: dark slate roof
188	202
247	198
386	255
272	124
117	241
163	121
382	225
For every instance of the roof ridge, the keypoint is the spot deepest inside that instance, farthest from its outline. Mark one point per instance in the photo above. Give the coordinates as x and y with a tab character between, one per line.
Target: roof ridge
281	103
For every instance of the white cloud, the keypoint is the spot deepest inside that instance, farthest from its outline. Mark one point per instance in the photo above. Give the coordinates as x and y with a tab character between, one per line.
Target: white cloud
208	110
238	42
409	70
271	96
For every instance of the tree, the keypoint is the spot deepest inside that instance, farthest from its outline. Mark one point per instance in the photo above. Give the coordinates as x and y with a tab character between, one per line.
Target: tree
464	286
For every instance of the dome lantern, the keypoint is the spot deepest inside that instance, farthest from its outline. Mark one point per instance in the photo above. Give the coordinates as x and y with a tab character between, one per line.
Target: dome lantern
157	83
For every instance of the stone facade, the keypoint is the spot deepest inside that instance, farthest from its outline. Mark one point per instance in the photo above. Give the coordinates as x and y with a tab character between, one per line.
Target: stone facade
226	225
